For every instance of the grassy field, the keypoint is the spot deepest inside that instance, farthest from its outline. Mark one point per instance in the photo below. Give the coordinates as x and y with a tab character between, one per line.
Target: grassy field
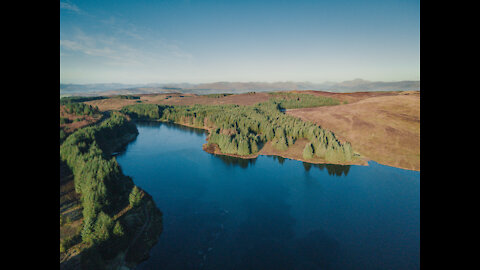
383	127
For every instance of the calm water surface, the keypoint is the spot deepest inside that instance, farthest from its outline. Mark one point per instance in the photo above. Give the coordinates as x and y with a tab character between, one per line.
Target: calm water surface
271	213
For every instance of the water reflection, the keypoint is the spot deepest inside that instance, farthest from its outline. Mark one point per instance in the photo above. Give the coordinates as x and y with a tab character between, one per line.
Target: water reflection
280	159
332	169
243	163
233	161
122	149
191	130
307	166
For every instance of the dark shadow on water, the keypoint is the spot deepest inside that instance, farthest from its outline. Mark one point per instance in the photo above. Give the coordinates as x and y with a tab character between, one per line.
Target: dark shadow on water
318	250
332	169
122	150
190	239
264	239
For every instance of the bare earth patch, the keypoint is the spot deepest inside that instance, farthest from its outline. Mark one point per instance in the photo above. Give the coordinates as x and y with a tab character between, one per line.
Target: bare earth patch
384	127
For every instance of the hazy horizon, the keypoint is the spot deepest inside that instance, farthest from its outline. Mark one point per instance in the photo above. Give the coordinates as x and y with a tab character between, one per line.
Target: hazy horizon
238	41
211	82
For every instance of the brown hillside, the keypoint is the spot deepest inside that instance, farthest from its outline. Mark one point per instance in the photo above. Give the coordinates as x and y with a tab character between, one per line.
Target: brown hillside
384	127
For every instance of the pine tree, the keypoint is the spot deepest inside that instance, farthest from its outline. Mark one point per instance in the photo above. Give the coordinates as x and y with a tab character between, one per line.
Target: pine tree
254	146
348	152
243	148
308	151
118	229
135	196
102	227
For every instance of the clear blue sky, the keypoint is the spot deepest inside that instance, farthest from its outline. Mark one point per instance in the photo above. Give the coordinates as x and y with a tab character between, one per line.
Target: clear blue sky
206	41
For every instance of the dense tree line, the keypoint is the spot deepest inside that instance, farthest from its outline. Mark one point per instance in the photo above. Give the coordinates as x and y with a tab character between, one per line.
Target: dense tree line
67	100
243	130
98	178
81	109
144	111
127	97
298	100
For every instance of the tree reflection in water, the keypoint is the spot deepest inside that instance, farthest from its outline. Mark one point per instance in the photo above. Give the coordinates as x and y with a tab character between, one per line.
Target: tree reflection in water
191	130
233	161
332	169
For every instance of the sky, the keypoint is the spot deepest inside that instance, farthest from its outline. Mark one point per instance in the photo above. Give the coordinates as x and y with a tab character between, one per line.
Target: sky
189	41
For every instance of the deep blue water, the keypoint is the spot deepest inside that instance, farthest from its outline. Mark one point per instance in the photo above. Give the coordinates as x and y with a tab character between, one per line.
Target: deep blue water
271	213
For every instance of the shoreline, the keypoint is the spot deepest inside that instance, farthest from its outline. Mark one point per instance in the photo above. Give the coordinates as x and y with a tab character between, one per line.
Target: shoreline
145	223
265	151
214	149
360	161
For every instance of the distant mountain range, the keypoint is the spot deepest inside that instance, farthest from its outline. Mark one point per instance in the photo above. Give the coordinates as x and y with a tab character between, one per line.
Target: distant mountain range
357	85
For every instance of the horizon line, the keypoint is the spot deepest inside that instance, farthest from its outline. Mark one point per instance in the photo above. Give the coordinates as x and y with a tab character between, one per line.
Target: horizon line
288	81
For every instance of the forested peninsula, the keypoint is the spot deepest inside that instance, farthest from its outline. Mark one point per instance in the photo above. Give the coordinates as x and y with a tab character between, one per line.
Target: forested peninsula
119	221
243	131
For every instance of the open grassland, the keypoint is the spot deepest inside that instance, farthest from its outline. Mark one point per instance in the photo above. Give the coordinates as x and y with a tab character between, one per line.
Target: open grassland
384	127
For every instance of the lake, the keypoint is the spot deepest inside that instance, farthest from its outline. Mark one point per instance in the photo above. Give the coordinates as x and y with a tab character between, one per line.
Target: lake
221	212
